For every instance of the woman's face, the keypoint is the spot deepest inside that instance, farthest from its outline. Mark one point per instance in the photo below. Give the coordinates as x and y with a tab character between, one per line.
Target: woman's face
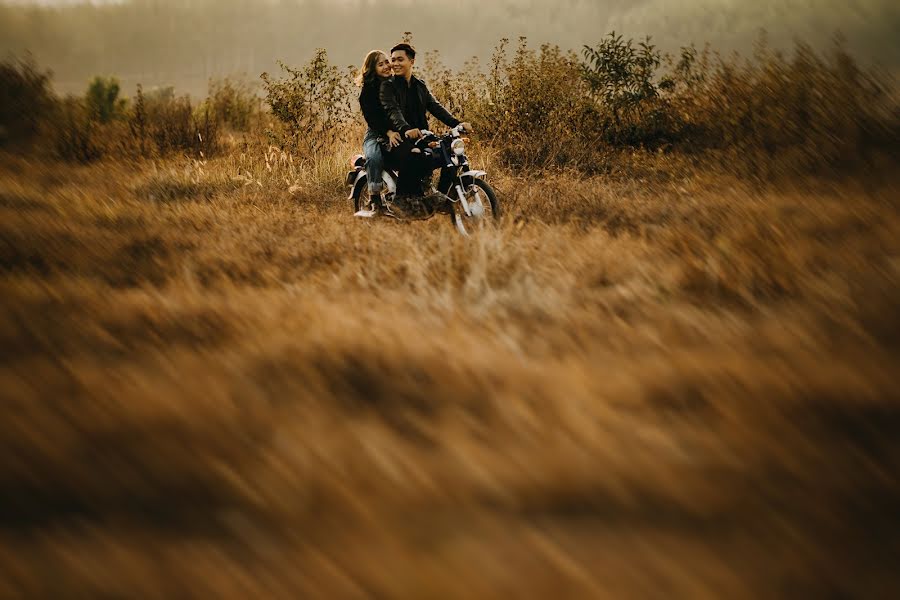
383	66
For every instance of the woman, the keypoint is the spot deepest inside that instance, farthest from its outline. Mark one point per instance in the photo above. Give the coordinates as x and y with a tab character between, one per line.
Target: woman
379	138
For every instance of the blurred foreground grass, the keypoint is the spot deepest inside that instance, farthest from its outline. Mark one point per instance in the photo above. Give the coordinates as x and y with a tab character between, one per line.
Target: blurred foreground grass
659	386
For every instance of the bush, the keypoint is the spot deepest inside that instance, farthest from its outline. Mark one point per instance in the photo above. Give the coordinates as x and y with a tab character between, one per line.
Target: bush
533	108
234	103
157	123
168	123
767	116
75	131
83	130
542	107
622	79
138	126
26	100
312	104
776	115
171	121
103	100
762	117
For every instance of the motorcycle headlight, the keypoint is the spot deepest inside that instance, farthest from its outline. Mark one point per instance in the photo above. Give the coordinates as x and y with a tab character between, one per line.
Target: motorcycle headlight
458	147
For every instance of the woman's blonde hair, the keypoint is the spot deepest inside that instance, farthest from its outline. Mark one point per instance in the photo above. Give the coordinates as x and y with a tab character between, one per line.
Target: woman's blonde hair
367	70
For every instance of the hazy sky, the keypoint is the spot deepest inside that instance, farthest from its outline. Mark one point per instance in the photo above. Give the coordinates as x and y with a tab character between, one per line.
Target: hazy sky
184	42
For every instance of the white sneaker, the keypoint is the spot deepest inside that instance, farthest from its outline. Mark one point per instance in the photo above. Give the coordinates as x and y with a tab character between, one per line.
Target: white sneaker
365	214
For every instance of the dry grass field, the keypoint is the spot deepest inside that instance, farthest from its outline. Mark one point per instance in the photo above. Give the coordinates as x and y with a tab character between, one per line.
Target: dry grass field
674	384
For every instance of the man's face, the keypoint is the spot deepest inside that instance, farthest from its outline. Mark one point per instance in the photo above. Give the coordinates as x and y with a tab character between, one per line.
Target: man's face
401	63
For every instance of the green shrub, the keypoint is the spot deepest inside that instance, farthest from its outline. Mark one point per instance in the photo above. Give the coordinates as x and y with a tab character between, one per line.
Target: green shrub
622	79
103	100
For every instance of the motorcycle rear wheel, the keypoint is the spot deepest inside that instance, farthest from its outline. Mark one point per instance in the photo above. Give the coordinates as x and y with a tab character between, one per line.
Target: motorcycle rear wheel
362	200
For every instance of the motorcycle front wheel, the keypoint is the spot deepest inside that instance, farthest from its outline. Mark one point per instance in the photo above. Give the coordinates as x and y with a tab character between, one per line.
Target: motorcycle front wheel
480	193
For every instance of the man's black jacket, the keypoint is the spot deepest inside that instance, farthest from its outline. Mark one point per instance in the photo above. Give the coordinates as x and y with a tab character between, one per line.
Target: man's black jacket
403	112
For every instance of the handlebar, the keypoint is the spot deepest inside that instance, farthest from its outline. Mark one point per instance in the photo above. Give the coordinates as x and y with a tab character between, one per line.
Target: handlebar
453	132
430	139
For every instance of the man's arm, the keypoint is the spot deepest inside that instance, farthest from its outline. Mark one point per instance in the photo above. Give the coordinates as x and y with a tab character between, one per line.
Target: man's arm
437	109
388	97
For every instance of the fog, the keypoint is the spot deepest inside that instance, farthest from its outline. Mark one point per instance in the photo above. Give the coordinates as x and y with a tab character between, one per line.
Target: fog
161	42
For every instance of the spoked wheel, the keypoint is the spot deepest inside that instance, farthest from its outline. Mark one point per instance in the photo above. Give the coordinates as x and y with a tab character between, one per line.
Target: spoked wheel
362	200
484	206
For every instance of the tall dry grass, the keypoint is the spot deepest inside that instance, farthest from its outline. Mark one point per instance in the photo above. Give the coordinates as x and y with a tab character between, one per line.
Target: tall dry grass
226	386
654	376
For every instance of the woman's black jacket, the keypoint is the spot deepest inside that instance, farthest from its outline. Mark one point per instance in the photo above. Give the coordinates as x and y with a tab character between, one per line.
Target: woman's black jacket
373	112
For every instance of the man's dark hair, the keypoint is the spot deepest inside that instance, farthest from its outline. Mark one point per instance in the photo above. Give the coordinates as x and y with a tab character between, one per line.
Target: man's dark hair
410	51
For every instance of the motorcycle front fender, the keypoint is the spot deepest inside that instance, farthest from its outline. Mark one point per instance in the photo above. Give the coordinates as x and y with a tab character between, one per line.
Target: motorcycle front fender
475	174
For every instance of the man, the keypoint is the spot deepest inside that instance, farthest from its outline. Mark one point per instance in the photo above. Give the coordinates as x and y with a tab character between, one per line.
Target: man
406	99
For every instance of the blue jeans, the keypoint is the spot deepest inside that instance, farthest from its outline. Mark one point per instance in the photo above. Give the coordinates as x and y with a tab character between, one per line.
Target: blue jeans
374	162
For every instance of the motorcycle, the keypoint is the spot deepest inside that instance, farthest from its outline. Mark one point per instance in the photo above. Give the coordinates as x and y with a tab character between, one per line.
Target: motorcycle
469	199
